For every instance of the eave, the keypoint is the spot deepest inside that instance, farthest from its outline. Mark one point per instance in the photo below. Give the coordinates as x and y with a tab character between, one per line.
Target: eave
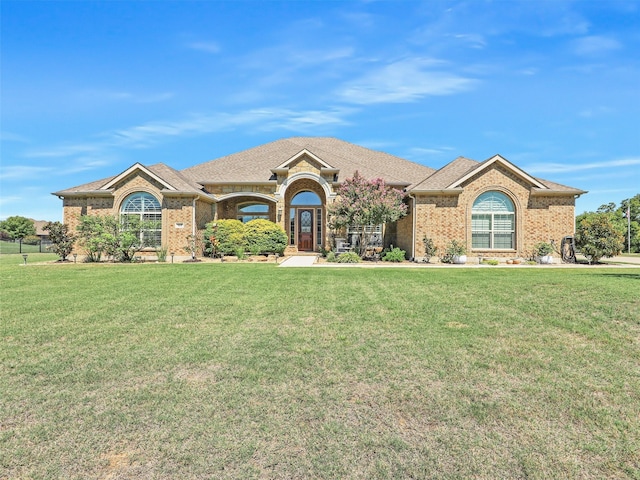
86	193
547	192
443	191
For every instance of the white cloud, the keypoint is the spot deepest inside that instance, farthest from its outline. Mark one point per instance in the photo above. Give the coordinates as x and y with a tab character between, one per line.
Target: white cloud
87	155
208	47
579	167
98	95
404	81
595	45
12	137
19	172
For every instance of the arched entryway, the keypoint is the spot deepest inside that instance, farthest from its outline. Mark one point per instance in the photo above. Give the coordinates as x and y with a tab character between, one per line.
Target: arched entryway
306	218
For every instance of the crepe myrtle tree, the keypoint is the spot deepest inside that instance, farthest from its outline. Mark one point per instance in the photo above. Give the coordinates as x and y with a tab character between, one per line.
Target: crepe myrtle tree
62	240
361	203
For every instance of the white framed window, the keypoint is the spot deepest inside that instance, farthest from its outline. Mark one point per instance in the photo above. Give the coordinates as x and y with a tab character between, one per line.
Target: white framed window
144	209
493	221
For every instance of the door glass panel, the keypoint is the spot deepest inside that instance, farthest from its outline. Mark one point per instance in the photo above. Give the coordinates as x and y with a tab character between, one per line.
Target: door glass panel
305	221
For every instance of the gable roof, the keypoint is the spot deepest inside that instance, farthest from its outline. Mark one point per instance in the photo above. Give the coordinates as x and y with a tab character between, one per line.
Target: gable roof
451	177
260	164
171	179
255	165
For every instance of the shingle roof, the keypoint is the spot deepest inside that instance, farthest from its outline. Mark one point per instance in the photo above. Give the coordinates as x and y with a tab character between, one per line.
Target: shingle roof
459	168
254	165
170	175
448	174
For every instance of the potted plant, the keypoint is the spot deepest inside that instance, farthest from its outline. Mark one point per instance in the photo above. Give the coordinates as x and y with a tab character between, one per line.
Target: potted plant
543	251
455	252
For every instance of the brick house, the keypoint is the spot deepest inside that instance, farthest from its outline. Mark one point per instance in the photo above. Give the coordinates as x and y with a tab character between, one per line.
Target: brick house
494	207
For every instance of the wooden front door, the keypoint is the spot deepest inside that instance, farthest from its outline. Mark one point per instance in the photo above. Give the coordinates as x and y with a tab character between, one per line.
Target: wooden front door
305	229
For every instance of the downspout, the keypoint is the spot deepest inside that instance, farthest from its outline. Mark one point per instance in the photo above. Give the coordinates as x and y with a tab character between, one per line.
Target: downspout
413	228
193	217
193	222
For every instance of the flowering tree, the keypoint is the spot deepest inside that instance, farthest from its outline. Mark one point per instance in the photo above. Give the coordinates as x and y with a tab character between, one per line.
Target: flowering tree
362	202
61	240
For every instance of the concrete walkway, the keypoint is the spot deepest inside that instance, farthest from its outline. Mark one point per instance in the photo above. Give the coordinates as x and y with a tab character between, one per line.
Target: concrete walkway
299	261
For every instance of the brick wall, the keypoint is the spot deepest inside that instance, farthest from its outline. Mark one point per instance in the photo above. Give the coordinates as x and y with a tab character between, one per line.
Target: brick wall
538	218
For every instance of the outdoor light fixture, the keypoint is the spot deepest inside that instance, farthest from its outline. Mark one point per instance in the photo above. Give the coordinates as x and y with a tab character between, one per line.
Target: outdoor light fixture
25	258
280	214
172	254
75	258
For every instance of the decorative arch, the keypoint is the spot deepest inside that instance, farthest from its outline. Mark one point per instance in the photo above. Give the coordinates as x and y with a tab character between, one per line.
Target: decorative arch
289	181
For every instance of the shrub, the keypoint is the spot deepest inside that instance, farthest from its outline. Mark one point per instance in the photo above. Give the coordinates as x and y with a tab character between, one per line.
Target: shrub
597	236
490	261
162	254
395	255
348	257
453	249
430	248
331	257
61	240
263	236
542	248
225	236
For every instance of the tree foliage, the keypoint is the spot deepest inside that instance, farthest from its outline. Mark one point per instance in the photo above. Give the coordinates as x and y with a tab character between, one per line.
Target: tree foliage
62	241
599	235
618	216
18	227
110	236
362	202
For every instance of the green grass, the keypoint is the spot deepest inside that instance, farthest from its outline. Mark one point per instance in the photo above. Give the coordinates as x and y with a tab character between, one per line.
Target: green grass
252	371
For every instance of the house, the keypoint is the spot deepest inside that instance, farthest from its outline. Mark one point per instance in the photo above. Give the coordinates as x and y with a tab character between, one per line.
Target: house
494	207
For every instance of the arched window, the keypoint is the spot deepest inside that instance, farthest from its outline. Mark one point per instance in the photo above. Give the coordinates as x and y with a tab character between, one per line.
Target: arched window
306	198
251	211
493	222
143	209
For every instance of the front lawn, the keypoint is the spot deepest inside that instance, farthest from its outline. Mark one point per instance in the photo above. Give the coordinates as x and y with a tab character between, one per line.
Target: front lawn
252	371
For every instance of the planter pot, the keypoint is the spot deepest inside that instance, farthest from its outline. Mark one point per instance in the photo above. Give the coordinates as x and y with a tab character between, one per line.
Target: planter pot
546	259
459	259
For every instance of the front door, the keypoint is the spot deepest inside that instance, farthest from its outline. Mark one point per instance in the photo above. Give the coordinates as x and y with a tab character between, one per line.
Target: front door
305	229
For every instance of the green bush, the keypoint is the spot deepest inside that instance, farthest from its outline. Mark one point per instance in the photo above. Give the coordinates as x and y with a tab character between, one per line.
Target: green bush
225	236
453	249
348	257
395	255
331	257
598	236
263	236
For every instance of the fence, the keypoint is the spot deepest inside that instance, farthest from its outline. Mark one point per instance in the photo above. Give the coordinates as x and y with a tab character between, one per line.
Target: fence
16	246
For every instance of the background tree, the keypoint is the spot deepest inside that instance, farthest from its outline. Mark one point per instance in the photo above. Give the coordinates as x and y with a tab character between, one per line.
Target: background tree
18	227
361	203
618	216
598	235
61	240
633	205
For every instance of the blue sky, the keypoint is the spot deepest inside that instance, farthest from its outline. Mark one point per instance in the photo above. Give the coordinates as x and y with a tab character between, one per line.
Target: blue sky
89	88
